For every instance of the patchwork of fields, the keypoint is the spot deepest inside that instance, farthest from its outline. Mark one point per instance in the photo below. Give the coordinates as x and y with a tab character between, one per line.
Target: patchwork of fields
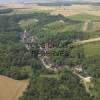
83	13
64	10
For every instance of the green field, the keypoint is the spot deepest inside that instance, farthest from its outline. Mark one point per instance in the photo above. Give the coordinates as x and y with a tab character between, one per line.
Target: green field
83	17
88	21
92	49
61	26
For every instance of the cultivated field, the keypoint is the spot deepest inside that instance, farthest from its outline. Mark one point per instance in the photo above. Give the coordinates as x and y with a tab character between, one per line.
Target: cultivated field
11	89
64	10
96	26
92	48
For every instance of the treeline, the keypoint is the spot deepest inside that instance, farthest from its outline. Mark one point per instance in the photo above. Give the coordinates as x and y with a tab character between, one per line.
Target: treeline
55	4
16	72
4	11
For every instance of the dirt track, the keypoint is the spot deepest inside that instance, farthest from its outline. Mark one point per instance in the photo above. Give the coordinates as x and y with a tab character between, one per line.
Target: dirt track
11	89
90	40
85	27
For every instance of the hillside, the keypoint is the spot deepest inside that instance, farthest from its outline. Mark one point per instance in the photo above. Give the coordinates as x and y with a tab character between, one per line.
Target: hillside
58	54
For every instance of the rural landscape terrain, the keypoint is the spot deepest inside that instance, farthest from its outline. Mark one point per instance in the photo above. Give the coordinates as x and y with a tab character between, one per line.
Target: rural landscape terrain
49	51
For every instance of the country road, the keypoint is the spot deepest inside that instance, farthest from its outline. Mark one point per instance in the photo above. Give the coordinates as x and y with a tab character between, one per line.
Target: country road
85	26
85	80
43	62
88	41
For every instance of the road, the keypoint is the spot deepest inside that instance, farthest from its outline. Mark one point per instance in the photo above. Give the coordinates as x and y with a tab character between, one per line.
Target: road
88	41
43	62
85	26
85	80
91	40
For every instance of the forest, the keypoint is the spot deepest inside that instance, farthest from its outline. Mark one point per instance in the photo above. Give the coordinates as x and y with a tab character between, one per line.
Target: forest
4	11
60	33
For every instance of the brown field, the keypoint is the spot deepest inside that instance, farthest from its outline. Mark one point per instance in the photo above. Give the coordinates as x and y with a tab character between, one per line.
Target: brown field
11	89
64	10
96	26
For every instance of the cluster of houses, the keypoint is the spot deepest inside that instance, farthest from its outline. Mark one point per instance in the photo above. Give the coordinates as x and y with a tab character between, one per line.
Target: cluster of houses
32	42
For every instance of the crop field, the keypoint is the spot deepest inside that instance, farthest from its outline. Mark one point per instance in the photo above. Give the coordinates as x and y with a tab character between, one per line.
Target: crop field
11	89
61	26
84	16
64	10
91	22
92	49
96	26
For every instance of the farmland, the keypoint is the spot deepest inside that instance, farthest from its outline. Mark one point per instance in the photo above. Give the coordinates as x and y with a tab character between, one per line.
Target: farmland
84	16
92	49
83	13
11	89
64	10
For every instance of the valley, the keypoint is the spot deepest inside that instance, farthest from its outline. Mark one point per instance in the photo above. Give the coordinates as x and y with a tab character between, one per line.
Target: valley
49	52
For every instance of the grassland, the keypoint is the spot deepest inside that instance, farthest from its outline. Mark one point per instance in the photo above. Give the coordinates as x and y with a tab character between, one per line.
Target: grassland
11	89
61	26
90	22
84	16
92	49
94	25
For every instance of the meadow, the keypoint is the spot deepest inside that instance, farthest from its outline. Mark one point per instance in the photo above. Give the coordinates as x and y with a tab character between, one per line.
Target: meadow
84	17
92	49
